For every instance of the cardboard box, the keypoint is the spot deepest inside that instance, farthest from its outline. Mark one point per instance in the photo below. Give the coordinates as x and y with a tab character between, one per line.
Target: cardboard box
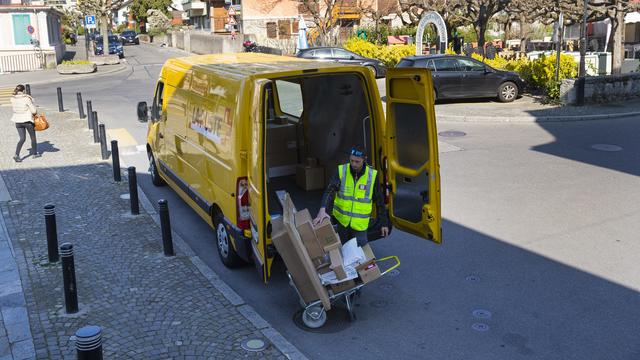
343	286
281	138
303	223
310	178
311	162
327	237
284	244
336	264
282	158
369	270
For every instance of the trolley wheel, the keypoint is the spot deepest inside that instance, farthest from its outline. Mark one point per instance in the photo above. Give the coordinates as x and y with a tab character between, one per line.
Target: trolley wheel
314	317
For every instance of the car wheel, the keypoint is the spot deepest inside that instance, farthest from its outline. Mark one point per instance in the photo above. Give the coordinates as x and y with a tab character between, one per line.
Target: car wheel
373	70
507	91
226	251
153	171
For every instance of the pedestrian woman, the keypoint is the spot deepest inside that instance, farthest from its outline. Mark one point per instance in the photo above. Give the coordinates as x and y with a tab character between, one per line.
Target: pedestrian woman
23	111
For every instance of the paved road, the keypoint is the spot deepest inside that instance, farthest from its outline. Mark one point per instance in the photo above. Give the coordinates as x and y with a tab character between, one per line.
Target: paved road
540	243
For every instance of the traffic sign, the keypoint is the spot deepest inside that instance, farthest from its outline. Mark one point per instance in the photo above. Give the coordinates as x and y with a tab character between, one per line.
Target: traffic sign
30	29
90	21
231	21
232	11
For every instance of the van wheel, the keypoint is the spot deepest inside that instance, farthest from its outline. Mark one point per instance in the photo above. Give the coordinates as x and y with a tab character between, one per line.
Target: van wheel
226	251
153	171
507	92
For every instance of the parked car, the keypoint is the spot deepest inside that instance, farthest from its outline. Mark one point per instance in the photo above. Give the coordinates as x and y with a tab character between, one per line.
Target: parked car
115	47
343	56
129	37
457	76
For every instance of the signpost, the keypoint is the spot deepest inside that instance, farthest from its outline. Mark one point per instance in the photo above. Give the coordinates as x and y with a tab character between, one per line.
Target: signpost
30	29
90	21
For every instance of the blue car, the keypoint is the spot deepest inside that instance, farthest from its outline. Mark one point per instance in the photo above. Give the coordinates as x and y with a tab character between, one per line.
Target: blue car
115	47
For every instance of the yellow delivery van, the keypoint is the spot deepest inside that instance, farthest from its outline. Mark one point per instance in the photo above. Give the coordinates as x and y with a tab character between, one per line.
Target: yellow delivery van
228	132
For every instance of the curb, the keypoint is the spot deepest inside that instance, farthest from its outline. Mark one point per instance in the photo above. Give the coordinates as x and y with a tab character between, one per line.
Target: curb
79	77
531	119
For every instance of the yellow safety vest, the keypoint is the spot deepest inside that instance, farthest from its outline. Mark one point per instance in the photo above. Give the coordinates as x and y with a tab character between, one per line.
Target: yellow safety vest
353	204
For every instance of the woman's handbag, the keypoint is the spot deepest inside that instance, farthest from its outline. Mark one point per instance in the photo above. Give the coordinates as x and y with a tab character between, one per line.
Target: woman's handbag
40	122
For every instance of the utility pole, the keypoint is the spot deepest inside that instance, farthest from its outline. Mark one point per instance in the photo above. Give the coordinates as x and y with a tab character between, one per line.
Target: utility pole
559	45
583	39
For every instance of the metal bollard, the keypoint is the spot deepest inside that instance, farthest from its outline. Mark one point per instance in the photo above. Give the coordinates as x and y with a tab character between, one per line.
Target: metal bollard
80	107
89	114
89	343
69	278
103	142
165	225
133	190
60	105
115	157
27	89
52	232
94	127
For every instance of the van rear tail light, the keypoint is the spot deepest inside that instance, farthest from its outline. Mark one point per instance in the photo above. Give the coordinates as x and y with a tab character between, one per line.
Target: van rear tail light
242	203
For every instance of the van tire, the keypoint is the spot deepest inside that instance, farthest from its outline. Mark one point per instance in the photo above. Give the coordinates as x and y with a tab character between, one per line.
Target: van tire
227	253
153	171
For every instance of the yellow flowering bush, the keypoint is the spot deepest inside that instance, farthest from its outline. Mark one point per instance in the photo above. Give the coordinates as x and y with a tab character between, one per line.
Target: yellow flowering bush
389	55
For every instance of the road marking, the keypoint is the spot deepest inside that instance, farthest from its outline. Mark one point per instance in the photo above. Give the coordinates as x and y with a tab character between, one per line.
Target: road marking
125	139
5	96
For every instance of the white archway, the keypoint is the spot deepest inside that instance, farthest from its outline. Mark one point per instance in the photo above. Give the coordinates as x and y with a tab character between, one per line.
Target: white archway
431	17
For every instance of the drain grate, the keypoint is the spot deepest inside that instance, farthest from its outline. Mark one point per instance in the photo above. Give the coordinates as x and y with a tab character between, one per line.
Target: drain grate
606	147
452	133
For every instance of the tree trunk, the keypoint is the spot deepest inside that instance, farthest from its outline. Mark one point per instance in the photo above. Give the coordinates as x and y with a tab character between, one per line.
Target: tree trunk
524	34
481	28
105	34
617	55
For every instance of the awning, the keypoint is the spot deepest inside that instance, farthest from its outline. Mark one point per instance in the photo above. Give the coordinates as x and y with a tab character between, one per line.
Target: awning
631	18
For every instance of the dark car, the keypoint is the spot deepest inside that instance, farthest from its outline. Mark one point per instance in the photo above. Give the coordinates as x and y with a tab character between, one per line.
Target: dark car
115	47
343	56
129	37
463	77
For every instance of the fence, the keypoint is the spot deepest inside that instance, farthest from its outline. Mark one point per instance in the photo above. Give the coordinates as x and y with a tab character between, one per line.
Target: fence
21	62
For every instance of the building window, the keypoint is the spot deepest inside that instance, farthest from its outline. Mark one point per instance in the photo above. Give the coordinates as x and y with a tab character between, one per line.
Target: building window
20	34
284	29
272	30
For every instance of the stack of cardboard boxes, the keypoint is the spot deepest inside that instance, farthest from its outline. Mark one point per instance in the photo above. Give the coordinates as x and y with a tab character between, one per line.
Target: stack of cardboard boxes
309	251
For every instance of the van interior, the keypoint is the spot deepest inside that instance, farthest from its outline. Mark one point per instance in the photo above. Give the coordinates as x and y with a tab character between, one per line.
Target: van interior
312	123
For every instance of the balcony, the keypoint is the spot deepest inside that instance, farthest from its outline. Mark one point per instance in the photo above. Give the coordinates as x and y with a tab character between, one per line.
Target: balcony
193	5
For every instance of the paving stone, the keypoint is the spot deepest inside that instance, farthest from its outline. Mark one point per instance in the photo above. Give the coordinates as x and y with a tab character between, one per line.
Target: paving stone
23	350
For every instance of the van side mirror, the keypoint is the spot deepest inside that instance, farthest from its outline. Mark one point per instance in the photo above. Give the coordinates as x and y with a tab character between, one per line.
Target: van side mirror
143	111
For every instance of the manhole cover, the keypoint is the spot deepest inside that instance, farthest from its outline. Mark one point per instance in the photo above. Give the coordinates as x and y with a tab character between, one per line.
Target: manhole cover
452	133
254	345
606	147
482	314
472	278
480	327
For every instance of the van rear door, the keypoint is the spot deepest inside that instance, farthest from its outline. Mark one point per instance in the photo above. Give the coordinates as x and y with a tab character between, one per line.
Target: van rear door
410	148
256	178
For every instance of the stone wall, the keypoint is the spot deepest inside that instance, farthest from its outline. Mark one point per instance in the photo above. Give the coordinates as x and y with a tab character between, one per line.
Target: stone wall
200	42
601	89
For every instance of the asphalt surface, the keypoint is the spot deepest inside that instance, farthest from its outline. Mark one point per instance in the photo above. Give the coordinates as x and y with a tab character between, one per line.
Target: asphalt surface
539	259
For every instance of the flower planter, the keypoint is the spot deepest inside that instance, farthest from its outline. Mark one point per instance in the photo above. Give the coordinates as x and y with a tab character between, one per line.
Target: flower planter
76	68
104	59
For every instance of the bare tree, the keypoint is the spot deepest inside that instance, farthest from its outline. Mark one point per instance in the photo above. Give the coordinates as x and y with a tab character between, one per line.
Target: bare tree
102	9
450	10
376	13
615	11
323	14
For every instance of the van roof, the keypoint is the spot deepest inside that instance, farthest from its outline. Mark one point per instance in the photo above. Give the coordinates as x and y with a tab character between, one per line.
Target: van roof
241	65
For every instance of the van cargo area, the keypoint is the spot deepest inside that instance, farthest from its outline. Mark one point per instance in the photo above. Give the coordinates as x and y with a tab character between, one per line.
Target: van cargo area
312	123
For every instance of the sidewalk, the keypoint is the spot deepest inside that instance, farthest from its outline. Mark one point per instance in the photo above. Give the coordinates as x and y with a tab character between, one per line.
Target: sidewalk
149	306
529	109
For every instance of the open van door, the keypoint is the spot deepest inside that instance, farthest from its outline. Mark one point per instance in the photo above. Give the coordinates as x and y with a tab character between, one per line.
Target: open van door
411	167
256	180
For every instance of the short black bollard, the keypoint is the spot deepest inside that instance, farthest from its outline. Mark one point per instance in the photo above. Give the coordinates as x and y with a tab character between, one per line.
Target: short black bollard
89	343
80	105
115	157
94	127
69	278
89	114
52	232
165	225
103	142
133	190
27	89
60	105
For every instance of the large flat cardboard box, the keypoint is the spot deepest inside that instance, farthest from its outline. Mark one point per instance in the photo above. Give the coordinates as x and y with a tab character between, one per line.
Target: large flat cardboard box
340	287
369	270
284	244
281	138
310	177
336	264
308	271
304	225
327	237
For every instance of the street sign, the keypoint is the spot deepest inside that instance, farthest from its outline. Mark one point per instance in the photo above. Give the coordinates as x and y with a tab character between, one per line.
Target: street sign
232	11
231	21
30	29
90	21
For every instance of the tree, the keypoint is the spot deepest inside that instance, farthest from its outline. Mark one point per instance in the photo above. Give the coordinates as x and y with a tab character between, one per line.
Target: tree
615	10
139	8
102	9
478	13
411	11
376	13
325	22
158	21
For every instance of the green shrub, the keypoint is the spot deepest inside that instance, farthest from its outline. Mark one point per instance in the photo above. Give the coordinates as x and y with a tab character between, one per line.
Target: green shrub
76	62
389	55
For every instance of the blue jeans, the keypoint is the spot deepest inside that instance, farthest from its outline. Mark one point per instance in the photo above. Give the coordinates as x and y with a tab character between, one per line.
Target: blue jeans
347	234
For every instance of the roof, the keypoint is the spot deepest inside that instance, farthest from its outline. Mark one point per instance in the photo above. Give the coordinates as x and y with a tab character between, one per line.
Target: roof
241	65
28	8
